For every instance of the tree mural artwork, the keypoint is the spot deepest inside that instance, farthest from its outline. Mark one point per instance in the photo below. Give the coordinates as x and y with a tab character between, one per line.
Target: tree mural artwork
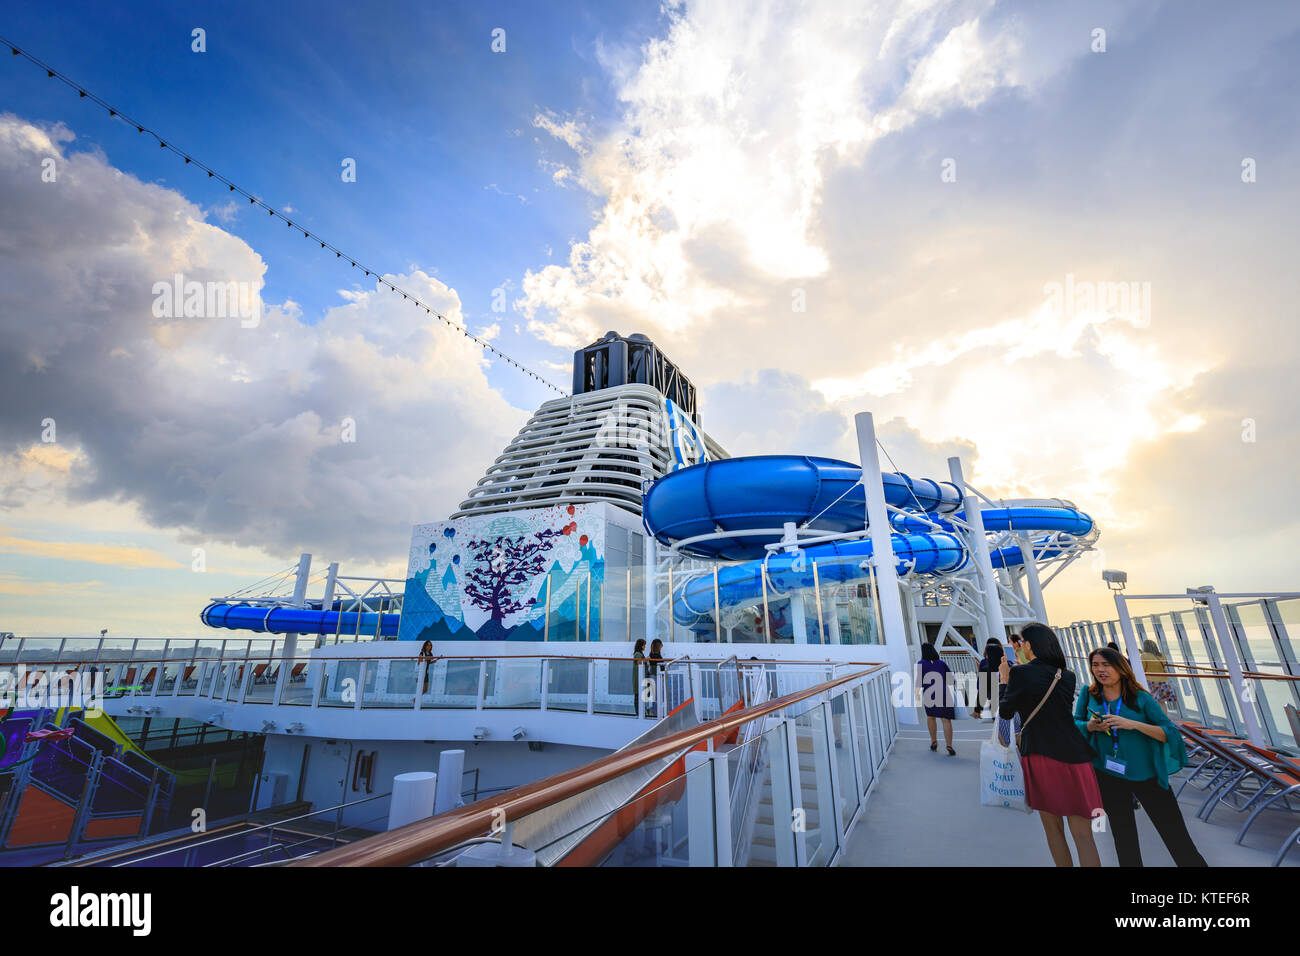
500	565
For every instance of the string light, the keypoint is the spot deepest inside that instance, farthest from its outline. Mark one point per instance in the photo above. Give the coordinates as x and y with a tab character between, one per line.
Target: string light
115	113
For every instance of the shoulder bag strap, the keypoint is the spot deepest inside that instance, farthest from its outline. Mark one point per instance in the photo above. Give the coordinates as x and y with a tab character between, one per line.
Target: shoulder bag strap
1034	713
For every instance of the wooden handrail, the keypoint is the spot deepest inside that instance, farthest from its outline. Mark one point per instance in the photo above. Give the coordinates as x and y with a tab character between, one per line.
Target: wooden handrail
423	839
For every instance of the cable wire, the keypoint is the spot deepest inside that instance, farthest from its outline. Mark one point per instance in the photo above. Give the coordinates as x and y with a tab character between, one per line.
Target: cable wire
233	187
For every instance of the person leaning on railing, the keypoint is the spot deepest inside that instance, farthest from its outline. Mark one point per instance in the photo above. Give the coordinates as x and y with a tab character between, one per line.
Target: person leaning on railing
1153	662
654	664
1137	747
638	662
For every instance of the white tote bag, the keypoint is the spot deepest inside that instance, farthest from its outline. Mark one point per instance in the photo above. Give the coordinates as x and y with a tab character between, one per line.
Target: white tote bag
1001	782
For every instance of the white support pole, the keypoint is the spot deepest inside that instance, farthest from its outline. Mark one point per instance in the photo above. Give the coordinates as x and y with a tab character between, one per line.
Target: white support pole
798	622
651	572
451	770
978	543
1245	693
1031	578
299	596
882	559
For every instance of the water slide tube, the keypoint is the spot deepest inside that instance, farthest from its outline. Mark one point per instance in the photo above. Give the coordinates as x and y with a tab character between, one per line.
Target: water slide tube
296	620
746	502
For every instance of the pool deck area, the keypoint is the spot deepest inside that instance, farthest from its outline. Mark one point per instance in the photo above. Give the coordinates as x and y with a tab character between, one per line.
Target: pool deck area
924	811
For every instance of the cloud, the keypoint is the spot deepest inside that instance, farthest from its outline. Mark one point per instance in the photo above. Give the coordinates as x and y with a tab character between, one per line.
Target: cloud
225	433
772	198
719	155
85	551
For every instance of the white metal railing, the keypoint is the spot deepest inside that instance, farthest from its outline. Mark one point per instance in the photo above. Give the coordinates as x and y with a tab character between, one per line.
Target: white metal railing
243	673
814	763
1226	661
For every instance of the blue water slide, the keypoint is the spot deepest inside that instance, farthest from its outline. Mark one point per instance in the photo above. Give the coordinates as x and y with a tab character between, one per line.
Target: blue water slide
745	502
295	620
761	493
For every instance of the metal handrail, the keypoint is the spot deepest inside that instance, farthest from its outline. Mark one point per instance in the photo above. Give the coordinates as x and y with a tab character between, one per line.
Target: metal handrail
418	841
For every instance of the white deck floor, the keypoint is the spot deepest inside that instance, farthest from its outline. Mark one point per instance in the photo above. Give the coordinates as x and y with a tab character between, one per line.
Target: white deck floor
924	811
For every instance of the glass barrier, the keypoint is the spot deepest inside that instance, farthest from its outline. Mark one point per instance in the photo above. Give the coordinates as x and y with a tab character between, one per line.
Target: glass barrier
295	680
567	684
513	683
814	784
846	774
393	683
452	684
616	690
260	688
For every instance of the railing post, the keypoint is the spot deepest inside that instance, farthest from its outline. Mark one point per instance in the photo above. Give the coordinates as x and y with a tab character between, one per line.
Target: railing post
1132	649
787	797
591	685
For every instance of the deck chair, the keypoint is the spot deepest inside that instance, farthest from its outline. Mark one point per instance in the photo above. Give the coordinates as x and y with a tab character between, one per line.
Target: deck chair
1285	782
296	674
1248	774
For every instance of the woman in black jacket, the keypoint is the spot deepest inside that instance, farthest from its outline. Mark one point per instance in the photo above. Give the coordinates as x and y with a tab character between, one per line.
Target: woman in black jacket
1054	757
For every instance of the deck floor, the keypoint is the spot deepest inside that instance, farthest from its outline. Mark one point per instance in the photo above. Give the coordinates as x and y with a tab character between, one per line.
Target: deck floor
924	812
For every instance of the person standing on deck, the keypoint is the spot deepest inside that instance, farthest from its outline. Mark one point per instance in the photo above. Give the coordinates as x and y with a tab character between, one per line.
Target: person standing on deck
1055	759
988	667
936	695
1137	748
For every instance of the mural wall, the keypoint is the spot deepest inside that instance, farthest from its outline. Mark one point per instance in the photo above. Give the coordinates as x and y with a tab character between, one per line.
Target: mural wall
485	577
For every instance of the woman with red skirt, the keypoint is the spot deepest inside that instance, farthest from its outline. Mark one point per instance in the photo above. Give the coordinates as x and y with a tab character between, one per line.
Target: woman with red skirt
1054	756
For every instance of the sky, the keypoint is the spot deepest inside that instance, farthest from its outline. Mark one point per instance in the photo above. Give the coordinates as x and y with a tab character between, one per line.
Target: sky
1057	240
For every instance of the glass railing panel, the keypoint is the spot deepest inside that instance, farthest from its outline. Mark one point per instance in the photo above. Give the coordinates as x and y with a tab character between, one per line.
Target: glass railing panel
393	685
218	677
190	674
566	684
42	650
452	683
749	776
1286	618
261	680
340	683
1186	704
616	688
842	746
297	683
1259	653
513	683
1216	691
864	732
77	650
814	785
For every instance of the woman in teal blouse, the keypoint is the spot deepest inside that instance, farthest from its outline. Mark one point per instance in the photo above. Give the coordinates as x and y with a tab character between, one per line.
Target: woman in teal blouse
1137	748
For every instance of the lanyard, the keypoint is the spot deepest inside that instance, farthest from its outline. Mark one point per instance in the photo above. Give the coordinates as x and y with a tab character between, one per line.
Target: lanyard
1114	734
